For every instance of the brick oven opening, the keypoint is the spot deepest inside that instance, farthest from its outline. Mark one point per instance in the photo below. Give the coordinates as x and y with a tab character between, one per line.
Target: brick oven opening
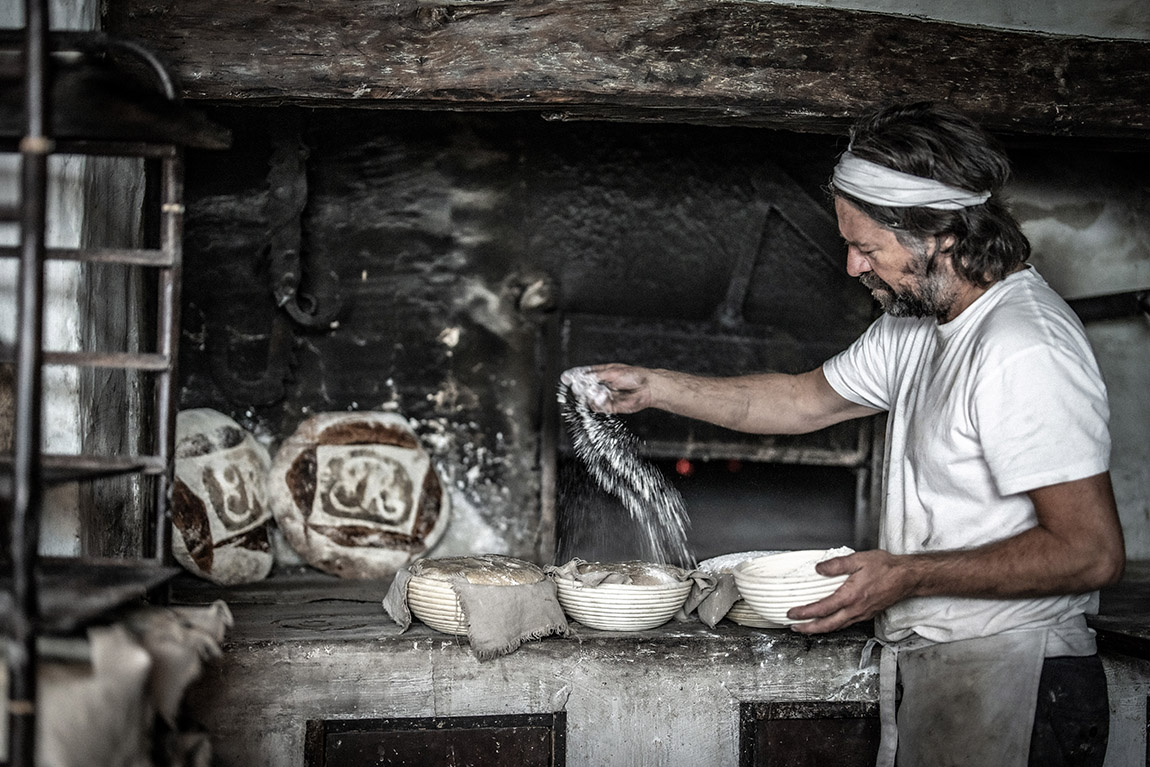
449	266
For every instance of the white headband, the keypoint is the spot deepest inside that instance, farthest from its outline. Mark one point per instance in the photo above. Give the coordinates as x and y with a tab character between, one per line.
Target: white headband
880	185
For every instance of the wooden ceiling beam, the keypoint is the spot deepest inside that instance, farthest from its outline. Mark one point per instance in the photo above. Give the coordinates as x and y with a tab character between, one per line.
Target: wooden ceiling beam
720	62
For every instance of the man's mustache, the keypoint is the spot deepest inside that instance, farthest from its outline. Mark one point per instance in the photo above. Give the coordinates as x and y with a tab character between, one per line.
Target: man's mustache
872	281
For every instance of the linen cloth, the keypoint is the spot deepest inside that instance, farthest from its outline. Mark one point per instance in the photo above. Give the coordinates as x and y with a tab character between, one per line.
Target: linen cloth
499	617
713	604
101	698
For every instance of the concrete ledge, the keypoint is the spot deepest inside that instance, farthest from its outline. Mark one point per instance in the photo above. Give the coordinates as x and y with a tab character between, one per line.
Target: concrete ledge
668	696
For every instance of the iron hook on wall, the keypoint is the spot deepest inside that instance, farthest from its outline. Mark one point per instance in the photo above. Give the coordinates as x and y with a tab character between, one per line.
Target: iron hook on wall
306	292
304	288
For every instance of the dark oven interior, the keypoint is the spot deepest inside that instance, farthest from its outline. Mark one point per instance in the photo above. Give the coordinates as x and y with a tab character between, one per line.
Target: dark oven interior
449	266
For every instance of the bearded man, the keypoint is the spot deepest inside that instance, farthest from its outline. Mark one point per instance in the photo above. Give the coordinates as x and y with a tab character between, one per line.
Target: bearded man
998	523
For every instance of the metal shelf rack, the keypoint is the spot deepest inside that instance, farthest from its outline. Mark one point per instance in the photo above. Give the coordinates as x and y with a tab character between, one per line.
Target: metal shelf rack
43	595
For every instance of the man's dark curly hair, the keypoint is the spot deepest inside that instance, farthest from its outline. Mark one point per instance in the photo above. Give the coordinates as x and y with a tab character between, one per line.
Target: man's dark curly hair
938	142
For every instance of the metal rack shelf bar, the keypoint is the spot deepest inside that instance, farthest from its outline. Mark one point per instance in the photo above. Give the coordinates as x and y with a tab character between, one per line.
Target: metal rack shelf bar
59	469
168	324
111	360
76	590
57	464
131	257
95	147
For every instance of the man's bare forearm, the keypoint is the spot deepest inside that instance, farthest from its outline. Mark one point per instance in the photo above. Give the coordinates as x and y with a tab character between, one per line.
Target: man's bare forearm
1076	547
766	403
1031	564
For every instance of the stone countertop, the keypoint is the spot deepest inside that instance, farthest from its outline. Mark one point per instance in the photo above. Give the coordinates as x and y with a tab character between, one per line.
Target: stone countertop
306	606
338	620
316	650
307	647
303	603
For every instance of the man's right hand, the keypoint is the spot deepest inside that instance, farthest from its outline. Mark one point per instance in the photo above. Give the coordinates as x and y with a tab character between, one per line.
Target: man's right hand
611	388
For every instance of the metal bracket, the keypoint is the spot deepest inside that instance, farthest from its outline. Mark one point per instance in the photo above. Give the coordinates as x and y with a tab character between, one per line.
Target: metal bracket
1112	306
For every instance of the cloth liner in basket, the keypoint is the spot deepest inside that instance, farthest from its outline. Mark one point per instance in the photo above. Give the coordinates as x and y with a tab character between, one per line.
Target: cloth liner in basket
505	601
714	606
594	573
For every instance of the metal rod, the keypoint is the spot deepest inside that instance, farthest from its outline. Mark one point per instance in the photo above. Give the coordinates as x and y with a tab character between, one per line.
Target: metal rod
1113	306
101	148
168	333
26	480
128	256
70	467
114	360
158	69
548	352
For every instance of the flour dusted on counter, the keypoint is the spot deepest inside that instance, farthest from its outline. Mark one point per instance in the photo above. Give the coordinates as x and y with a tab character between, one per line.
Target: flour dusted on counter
611	454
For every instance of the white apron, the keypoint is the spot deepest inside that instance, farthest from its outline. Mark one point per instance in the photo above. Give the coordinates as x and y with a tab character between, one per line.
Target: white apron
968	703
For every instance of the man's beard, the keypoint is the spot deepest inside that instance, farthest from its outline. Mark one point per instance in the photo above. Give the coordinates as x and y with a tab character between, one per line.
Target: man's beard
929	296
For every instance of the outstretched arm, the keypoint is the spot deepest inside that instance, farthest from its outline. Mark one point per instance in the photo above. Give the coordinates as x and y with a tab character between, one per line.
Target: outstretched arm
1076	547
767	403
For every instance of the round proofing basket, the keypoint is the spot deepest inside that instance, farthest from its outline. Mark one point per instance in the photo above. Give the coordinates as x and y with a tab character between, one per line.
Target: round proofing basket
621	606
795	567
744	615
774	584
815	590
435	603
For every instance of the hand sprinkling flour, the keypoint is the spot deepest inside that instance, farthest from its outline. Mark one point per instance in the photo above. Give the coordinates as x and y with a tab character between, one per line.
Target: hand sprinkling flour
586	387
611	454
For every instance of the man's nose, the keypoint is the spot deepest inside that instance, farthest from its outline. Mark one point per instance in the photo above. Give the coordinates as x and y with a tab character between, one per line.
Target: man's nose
857	263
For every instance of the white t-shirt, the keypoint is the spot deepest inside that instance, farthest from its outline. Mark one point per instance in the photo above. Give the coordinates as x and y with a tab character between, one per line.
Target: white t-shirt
1005	398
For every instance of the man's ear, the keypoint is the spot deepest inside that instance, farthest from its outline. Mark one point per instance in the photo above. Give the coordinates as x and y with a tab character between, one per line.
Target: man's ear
946	243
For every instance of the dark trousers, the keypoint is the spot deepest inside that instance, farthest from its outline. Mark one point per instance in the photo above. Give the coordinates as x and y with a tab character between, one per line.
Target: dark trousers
1072	722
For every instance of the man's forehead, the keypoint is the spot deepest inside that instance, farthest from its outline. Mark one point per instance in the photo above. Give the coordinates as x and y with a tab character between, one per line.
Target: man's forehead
861	230
859	241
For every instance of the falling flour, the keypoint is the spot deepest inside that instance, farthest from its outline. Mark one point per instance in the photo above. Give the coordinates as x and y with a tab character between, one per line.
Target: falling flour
610	453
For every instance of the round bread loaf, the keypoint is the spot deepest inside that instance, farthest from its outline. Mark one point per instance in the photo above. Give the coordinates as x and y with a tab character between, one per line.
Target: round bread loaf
638	573
220	510
356	495
484	569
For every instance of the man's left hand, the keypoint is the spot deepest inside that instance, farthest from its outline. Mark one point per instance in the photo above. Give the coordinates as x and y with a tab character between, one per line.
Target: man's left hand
876	582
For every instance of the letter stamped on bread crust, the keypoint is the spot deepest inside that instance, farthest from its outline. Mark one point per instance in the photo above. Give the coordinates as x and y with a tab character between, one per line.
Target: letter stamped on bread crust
378	485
